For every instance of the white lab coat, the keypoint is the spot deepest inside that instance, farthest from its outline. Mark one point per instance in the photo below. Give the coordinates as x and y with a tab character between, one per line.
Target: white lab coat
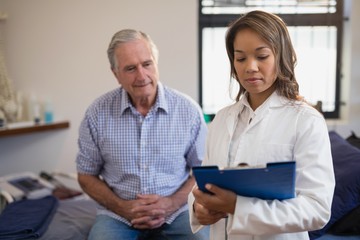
285	131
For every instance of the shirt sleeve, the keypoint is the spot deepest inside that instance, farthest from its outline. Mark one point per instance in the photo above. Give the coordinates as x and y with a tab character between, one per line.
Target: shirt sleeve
196	151
88	160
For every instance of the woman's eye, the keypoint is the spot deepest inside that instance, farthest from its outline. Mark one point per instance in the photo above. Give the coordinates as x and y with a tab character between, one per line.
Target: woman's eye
240	59
263	57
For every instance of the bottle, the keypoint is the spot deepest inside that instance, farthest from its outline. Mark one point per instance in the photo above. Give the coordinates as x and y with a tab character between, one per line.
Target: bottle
48	112
34	108
36	112
2	119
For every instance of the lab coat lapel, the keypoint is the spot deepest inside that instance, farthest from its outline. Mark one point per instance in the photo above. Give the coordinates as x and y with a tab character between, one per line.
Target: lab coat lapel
272	102
232	118
259	117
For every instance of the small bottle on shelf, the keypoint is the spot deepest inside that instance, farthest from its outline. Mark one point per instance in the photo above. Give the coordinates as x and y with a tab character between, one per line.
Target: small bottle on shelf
48	112
34	108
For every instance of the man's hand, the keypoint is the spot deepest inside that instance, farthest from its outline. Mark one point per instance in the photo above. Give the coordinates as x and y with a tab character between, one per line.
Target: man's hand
145	212
149	211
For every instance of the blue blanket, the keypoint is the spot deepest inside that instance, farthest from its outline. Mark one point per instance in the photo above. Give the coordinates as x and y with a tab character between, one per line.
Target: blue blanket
27	219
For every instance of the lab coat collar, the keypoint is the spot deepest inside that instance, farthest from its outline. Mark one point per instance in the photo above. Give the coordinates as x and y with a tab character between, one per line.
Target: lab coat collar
273	101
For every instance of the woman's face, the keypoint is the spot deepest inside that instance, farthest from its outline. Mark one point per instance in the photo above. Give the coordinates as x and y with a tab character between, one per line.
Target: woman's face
254	63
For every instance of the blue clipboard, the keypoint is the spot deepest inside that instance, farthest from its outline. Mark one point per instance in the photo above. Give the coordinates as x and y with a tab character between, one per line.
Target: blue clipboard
275	181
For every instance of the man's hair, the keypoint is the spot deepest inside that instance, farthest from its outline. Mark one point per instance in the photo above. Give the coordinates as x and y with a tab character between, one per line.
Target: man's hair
128	35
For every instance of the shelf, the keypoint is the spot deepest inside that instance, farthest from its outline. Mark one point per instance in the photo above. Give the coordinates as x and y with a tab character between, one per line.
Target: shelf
34	128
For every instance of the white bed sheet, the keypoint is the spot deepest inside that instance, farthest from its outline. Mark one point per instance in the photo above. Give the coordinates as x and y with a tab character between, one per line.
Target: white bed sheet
72	220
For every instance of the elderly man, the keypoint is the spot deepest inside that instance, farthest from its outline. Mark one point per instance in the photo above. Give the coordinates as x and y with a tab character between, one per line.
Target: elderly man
137	144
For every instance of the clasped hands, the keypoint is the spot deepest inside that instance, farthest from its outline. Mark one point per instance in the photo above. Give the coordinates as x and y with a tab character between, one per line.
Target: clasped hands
210	208
148	211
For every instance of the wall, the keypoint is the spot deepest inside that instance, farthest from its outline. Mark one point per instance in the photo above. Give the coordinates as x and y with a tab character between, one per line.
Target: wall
57	50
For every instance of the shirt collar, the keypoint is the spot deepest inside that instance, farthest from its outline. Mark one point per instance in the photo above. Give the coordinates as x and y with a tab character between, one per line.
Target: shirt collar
160	102
243	101
274	100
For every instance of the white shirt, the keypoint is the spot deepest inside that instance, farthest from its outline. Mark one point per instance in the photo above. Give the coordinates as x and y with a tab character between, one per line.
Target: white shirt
244	119
282	131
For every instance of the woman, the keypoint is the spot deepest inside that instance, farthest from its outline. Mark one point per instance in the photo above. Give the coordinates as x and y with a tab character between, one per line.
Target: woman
269	122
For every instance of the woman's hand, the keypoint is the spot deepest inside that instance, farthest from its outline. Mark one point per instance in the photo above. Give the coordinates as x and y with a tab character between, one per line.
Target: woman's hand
206	216
221	200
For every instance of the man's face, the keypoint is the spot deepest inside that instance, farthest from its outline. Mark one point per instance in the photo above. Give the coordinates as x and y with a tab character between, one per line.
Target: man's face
137	70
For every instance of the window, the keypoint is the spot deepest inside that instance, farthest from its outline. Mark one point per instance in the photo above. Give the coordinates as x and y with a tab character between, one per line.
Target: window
315	27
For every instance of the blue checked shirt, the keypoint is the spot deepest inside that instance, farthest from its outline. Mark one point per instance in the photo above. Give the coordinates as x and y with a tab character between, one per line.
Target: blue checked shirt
141	155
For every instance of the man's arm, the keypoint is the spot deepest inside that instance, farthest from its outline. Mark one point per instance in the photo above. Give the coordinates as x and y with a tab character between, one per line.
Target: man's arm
102	193
98	190
148	211
179	198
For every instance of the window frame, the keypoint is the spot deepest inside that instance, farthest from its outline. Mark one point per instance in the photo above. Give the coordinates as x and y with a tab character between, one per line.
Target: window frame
318	19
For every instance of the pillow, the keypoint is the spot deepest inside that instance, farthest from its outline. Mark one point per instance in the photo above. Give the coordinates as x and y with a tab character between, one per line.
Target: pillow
347	225
346	161
354	140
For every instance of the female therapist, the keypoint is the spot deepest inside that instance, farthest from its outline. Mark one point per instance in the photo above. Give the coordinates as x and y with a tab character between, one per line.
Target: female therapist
269	122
